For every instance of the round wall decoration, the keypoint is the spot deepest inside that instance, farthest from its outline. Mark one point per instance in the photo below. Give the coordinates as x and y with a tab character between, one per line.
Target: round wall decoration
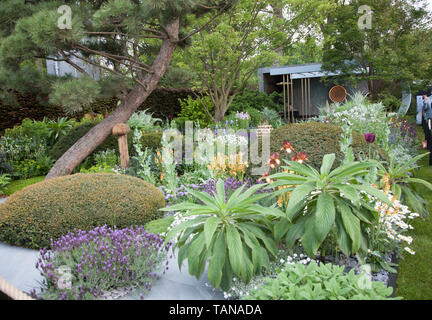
338	94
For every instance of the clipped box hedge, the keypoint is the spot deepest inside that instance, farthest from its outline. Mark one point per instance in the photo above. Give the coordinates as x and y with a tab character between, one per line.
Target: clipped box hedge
51	208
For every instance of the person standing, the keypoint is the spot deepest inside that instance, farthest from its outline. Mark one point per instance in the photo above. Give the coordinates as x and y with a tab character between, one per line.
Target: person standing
427	124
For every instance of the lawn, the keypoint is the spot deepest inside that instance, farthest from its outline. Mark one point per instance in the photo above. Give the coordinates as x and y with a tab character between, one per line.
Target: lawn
415	273
17	185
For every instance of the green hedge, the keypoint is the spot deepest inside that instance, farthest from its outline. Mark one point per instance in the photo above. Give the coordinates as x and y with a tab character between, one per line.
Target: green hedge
318	139
151	140
162	102
52	208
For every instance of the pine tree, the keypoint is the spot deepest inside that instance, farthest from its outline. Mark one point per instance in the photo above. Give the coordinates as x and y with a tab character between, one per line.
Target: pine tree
130	41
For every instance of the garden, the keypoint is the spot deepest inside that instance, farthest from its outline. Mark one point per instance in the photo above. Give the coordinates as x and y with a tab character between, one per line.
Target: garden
330	219
160	156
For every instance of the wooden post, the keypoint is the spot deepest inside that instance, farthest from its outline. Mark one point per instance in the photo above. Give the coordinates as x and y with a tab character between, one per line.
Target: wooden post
121	130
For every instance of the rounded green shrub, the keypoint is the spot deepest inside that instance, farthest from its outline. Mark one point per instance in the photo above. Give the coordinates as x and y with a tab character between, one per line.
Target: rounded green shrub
318	139
52	208
68	140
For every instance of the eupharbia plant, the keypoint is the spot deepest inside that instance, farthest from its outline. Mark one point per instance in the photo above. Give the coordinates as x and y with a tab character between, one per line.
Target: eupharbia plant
324	203
399	177
233	234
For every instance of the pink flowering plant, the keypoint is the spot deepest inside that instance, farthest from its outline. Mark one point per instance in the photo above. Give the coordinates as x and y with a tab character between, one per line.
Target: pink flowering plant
86	265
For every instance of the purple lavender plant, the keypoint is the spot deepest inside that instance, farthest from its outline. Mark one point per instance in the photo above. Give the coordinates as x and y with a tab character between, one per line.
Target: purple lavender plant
101	260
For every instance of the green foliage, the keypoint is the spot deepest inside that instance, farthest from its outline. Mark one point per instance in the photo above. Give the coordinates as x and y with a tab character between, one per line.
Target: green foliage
317	139
81	201
255	116
151	140
28	168
24	149
38	131
58	128
166	163
67	141
165	102
75	94
105	162
142	120
143	159
228	52
326	202
177	77
255	99
33	33
400	178
159	226
194	110
108	157
4	181
381	60
362	116
98	168
25	145
320	282
232	234
302	52
272	117
17	185
5	166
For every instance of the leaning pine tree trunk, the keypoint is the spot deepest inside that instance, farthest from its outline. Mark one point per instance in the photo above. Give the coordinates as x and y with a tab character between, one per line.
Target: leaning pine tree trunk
90	141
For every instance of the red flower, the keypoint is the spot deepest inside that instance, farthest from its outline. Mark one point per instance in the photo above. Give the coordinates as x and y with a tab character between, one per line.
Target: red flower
369	137
265	177
287	147
274	160
300	158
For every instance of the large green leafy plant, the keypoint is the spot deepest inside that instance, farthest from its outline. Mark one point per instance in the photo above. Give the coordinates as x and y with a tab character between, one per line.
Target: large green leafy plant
233	234
325	203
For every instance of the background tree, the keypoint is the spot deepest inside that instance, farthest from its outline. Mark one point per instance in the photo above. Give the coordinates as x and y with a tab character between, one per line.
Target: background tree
396	49
132	42
226	55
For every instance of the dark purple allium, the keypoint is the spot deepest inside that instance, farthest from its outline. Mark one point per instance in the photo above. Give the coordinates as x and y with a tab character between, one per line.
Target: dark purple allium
369	137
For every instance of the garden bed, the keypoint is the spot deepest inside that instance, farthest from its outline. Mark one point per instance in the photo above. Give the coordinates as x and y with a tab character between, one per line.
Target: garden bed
235	231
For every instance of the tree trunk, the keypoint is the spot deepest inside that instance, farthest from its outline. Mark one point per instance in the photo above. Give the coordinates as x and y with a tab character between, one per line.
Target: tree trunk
90	141
219	114
277	15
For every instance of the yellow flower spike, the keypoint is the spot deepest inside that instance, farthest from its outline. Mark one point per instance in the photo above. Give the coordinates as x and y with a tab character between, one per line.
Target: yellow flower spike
280	201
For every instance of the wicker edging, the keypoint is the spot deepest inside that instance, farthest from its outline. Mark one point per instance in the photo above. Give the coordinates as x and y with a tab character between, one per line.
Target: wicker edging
12	292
